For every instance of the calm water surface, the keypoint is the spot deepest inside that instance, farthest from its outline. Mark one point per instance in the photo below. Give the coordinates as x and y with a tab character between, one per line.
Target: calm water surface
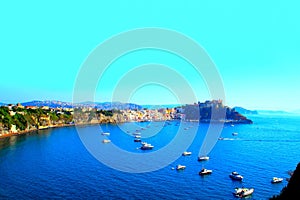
55	164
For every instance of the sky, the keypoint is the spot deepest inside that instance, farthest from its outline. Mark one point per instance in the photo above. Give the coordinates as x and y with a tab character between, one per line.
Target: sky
255	46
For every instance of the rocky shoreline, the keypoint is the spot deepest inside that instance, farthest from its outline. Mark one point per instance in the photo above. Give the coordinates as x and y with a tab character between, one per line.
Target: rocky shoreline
10	134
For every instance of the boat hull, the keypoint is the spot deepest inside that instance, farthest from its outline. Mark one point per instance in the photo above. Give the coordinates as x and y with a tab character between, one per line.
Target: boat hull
146	147
236	178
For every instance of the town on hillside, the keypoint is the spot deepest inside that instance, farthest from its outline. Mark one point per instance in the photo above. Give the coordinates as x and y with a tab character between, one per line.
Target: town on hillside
19	119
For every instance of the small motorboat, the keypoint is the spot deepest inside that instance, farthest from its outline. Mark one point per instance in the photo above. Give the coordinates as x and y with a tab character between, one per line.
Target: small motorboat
220	138
234	133
146	146
180	167
106	141
187	153
236	176
106	133
276	180
137	140
205	172
243	192
203	158
137	133
137	136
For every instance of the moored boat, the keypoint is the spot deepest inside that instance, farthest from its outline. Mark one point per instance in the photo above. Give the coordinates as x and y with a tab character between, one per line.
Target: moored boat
137	140
243	192
186	153
180	167
146	146
106	133
205	172
276	180
236	176
106	141
203	158
234	134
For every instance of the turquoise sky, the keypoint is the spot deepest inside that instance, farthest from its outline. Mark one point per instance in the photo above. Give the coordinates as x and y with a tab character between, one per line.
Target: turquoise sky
254	44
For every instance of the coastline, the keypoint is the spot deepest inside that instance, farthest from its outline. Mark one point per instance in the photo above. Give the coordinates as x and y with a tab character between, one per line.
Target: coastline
95	123
32	130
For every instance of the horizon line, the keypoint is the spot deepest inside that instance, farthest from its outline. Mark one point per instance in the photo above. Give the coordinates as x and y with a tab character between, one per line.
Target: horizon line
297	110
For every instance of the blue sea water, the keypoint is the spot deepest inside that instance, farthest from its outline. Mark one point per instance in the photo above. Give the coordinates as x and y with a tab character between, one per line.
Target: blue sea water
55	164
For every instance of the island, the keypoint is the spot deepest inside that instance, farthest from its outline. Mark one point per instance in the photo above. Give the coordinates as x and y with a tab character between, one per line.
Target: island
20	119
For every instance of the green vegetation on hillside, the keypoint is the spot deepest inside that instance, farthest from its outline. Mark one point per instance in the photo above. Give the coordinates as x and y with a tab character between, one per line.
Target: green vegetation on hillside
28	118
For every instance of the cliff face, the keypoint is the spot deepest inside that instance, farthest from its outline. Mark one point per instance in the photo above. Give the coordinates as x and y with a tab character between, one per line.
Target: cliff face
292	190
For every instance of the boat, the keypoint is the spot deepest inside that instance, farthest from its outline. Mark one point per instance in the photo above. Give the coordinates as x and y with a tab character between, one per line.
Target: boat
276	180
146	146
137	133
180	167
243	192
137	140
137	136
205	172
106	141
106	133
186	153
236	176
234	134
203	158
220	138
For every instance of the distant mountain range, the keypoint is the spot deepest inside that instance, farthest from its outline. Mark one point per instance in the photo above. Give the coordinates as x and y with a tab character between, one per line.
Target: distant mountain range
244	111
104	105
161	106
122	106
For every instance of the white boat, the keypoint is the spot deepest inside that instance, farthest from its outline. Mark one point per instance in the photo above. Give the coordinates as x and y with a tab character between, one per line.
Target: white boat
243	192
137	136
106	141
205	172
276	180
234	134
236	176
137	133
106	133
203	158
180	167
186	153
146	146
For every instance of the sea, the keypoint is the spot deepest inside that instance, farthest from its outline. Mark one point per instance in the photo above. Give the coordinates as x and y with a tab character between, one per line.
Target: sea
58	164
